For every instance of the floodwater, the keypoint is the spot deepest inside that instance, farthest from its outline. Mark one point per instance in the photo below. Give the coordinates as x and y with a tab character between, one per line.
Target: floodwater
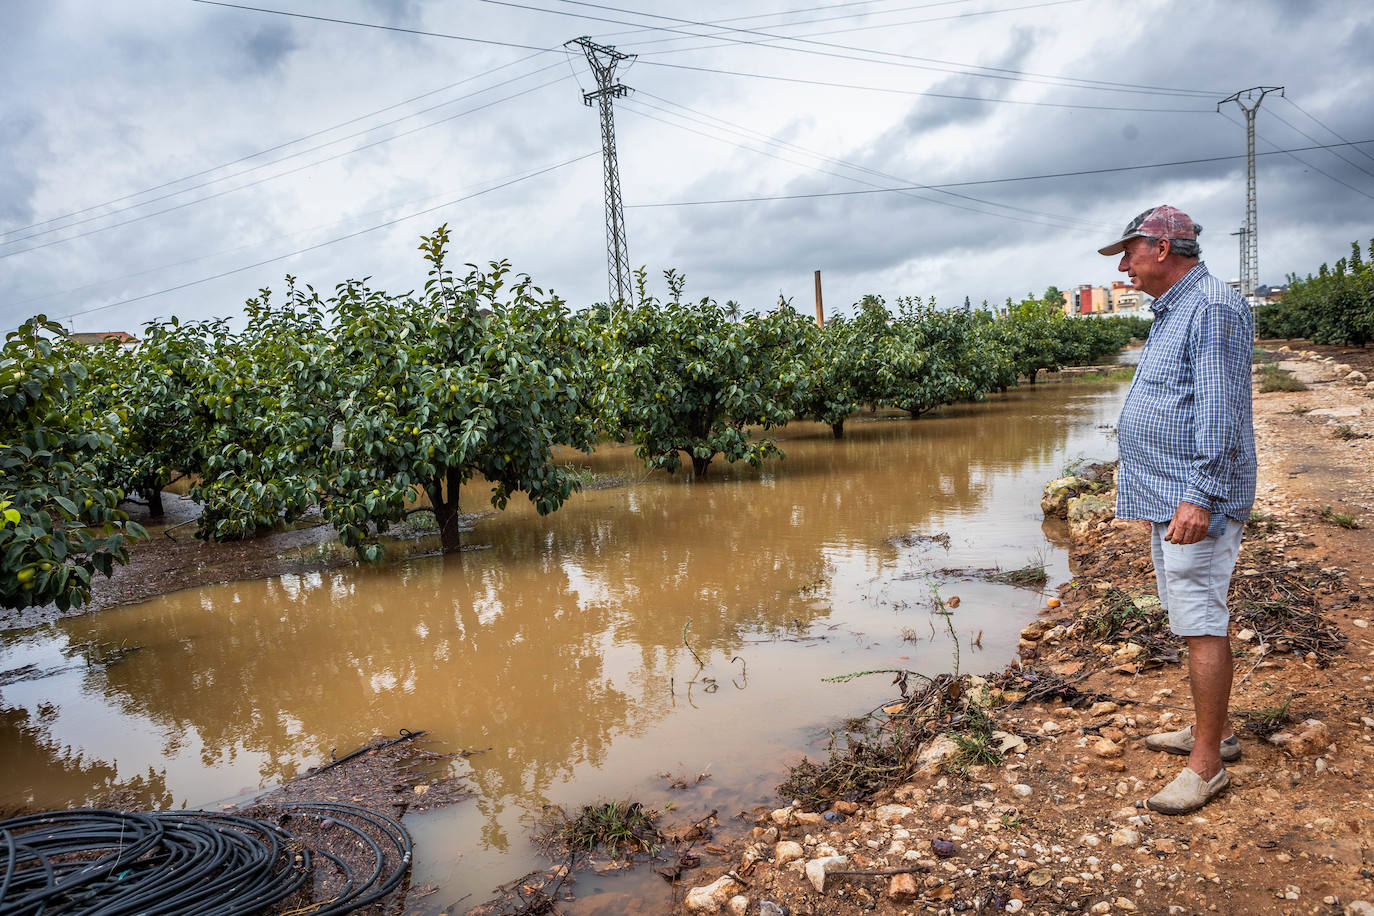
558	652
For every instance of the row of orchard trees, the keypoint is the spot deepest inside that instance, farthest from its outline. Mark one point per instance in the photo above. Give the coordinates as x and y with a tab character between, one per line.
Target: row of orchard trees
1334	307
359	403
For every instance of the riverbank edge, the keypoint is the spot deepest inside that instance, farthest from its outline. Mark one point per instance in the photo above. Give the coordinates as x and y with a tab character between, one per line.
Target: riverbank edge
1058	824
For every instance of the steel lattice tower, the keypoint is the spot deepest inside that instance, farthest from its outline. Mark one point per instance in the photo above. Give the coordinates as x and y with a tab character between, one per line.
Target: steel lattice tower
1249	277
603	60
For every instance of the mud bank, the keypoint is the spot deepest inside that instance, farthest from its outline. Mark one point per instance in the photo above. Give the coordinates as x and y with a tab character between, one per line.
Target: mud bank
1041	810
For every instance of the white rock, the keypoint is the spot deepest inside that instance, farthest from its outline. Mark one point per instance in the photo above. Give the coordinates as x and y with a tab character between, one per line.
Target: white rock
1125	837
1245	635
933	756
783	816
1090	840
711	897
886	814
738	905
1014	906
817	869
787	851
1099	908
1359	908
1361	622
1021	790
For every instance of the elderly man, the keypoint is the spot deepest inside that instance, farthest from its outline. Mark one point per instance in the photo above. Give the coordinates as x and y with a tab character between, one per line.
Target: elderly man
1187	470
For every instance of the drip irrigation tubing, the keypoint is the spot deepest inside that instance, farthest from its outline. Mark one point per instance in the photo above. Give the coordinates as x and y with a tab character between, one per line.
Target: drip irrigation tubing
406	735
94	862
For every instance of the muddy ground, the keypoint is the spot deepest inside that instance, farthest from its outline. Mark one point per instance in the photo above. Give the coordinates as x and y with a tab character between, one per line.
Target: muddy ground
1056	823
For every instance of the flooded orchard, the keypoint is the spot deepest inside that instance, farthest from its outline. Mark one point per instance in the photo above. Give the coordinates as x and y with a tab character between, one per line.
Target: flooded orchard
557	653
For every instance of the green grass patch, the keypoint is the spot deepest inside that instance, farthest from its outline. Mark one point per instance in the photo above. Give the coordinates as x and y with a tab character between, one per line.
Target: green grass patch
1032	575
1341	519
620	828
1267	721
1272	378
1346	433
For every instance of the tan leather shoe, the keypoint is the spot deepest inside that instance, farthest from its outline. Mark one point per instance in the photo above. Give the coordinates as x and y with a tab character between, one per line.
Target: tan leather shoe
1181	742
1188	792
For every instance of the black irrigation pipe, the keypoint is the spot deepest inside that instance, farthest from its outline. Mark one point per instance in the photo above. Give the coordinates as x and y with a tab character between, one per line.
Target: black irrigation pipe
406	735
188	863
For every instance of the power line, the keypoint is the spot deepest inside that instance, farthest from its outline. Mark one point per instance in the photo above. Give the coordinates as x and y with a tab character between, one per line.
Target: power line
303	152
1304	133
280	146
353	219
1303	162
373	25
292	171
1329	130
998	72
342	238
984	181
938	95
1060	222
909	192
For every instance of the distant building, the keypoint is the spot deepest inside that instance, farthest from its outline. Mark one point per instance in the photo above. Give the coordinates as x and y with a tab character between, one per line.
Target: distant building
1087	300
1126	300
1270	294
95	338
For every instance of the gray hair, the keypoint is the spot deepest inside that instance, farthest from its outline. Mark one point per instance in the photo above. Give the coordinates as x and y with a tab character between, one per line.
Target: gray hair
1184	248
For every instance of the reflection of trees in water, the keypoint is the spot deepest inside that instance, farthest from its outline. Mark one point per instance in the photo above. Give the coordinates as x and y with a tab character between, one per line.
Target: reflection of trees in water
31	759
506	647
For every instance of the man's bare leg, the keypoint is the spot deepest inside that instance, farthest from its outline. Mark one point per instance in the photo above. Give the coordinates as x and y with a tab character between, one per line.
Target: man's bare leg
1210	670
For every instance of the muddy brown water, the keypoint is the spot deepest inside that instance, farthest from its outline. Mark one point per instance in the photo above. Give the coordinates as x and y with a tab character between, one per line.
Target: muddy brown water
556	650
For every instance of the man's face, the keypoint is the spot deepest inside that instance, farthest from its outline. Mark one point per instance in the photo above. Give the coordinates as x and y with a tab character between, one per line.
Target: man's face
1143	261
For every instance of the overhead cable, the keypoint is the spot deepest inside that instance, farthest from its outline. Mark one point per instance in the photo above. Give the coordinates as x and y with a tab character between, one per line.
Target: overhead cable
292	171
985	181
279	146
342	238
1322	124
374	25
1293	154
938	95
927	63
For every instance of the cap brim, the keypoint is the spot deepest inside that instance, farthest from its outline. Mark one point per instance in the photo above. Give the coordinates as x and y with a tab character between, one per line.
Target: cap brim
1120	244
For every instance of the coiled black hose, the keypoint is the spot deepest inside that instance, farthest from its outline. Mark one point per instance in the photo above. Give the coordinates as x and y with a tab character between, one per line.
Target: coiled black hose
110	863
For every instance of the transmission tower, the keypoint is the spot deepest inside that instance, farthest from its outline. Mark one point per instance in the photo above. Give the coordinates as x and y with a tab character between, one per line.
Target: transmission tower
603	60
1244	252
1249	274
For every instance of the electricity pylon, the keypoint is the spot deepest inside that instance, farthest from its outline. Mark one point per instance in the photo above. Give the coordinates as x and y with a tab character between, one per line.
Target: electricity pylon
1244	252
1249	275
603	60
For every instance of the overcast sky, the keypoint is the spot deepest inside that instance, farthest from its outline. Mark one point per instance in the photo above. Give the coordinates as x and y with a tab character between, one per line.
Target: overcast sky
151	144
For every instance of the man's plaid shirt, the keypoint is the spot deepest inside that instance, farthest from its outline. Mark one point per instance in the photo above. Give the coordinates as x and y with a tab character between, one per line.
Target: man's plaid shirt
1185	433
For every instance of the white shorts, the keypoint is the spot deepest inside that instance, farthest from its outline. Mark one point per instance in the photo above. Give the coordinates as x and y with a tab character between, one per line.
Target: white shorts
1193	579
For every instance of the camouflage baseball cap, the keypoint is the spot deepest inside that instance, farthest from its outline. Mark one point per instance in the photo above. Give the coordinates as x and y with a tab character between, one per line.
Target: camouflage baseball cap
1162	222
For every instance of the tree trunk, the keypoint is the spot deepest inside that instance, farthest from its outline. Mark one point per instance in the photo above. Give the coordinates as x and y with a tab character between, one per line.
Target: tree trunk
699	466
1030	376
444	499
152	490
838	429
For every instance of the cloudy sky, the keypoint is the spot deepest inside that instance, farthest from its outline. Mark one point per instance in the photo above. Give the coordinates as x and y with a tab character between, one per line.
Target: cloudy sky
172	157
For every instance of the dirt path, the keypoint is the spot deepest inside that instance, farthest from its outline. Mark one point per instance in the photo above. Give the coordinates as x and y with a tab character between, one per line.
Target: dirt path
1058	824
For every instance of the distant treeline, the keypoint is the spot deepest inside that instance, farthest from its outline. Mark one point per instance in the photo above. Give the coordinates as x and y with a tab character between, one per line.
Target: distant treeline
1334	307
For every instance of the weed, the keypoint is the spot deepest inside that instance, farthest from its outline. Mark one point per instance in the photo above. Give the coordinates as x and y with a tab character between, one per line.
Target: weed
1032	575
1272	378
910	635
975	741
1073	466
1260	521
1264	356
1119	611
1343	519
1345	433
1299	409
614	826
1265	722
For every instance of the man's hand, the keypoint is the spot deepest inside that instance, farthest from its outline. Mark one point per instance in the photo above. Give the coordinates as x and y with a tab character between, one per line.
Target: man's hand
1189	524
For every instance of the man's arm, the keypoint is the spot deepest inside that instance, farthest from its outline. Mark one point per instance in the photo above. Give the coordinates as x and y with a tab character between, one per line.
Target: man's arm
1215	343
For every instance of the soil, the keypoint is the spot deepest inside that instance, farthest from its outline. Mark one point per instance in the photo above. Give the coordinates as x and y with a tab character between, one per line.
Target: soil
1058	823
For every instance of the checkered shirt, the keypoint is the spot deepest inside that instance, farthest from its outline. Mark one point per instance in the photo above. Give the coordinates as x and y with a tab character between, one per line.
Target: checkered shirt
1186	433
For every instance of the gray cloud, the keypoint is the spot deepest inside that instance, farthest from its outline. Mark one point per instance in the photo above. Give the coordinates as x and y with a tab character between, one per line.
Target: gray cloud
105	106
